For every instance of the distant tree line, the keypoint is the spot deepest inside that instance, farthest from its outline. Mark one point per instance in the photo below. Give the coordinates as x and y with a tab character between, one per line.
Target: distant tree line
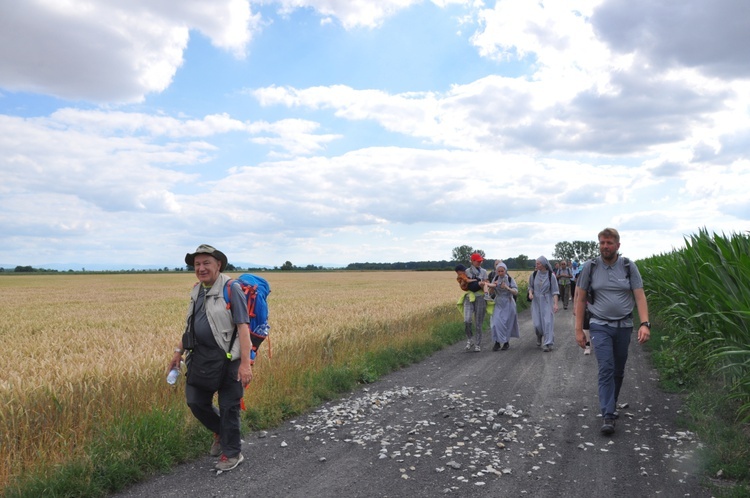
520	262
27	269
576	250
410	265
462	254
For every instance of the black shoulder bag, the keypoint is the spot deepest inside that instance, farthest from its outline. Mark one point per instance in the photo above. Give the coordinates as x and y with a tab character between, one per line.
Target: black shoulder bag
206	367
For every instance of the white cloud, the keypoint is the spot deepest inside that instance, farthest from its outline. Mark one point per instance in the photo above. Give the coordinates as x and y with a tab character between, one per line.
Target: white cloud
134	123
351	13
500	112
295	136
111	172
110	51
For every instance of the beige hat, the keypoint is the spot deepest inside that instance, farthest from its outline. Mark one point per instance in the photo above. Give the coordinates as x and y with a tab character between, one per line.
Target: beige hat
207	249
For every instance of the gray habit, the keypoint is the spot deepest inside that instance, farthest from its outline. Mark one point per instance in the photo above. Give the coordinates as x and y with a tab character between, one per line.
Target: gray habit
541	306
504	321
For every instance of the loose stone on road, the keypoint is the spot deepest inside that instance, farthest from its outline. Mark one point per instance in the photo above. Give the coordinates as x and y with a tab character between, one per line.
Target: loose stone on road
505	423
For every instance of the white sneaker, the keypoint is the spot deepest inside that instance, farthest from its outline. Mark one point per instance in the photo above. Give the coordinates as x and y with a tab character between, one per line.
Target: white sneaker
587	351
469	345
477	348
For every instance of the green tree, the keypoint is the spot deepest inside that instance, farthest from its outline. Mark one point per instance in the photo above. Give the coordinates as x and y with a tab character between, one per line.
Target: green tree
564	250
585	249
463	253
287	266
520	262
578	249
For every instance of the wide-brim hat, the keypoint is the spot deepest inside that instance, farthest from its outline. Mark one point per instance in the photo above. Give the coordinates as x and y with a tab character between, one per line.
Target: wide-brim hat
211	251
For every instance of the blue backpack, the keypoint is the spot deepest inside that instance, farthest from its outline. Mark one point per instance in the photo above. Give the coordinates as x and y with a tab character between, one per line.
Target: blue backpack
256	290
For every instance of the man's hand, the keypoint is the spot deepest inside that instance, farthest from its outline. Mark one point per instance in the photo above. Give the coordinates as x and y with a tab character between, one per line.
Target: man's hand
245	374
581	338
644	334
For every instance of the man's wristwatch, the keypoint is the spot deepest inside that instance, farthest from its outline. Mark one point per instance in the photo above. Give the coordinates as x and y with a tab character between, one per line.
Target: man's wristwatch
647	324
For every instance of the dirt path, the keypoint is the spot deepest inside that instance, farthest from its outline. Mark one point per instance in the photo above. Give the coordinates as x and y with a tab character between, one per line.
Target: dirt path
507	423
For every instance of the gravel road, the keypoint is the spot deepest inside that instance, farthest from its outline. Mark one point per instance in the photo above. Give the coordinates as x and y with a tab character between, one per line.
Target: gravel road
508	423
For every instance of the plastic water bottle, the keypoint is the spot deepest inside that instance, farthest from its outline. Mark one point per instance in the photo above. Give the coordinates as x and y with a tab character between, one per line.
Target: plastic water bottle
172	376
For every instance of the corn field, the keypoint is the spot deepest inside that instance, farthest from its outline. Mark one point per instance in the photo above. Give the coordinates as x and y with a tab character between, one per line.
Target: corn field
703	293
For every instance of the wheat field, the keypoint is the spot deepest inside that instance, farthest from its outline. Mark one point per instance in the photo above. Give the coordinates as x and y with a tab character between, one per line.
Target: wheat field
81	350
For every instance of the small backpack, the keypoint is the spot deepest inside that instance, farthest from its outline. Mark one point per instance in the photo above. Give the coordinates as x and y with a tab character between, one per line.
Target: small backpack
256	290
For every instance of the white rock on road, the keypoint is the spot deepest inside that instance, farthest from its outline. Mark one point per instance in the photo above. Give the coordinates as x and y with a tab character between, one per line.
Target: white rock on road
505	423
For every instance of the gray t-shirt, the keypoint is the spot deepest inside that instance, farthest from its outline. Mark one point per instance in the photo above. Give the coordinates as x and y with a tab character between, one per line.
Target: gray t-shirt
613	291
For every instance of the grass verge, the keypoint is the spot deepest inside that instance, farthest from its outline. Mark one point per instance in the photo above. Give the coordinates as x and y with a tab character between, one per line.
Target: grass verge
725	455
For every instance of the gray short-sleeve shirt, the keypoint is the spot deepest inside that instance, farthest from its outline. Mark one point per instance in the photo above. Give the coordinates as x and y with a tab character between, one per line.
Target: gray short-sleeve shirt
613	291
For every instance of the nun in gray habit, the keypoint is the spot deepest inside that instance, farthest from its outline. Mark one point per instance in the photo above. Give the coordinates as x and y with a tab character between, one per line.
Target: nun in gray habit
544	293
504	320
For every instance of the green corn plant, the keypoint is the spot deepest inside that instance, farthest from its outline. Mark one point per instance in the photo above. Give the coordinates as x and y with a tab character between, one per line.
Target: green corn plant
703	292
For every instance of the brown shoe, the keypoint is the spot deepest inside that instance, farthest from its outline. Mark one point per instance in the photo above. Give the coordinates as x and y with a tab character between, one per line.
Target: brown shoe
215	446
228	463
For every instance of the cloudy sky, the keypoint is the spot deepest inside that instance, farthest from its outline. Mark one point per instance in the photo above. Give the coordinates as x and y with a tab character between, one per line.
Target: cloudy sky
327	132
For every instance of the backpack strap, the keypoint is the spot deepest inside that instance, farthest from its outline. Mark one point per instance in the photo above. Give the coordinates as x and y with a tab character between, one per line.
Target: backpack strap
228	300
228	293
626	262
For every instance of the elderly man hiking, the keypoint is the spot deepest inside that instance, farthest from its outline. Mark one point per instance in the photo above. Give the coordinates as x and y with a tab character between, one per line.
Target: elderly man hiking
611	284
217	337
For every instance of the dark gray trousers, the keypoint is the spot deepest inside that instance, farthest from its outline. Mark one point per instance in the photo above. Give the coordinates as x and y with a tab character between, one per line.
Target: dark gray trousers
224	420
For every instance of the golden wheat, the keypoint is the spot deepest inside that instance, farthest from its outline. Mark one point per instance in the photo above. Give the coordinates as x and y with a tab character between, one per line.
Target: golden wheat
80	350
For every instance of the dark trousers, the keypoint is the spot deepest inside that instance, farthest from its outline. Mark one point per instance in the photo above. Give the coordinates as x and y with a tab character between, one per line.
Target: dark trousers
611	348
564	294
224	420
